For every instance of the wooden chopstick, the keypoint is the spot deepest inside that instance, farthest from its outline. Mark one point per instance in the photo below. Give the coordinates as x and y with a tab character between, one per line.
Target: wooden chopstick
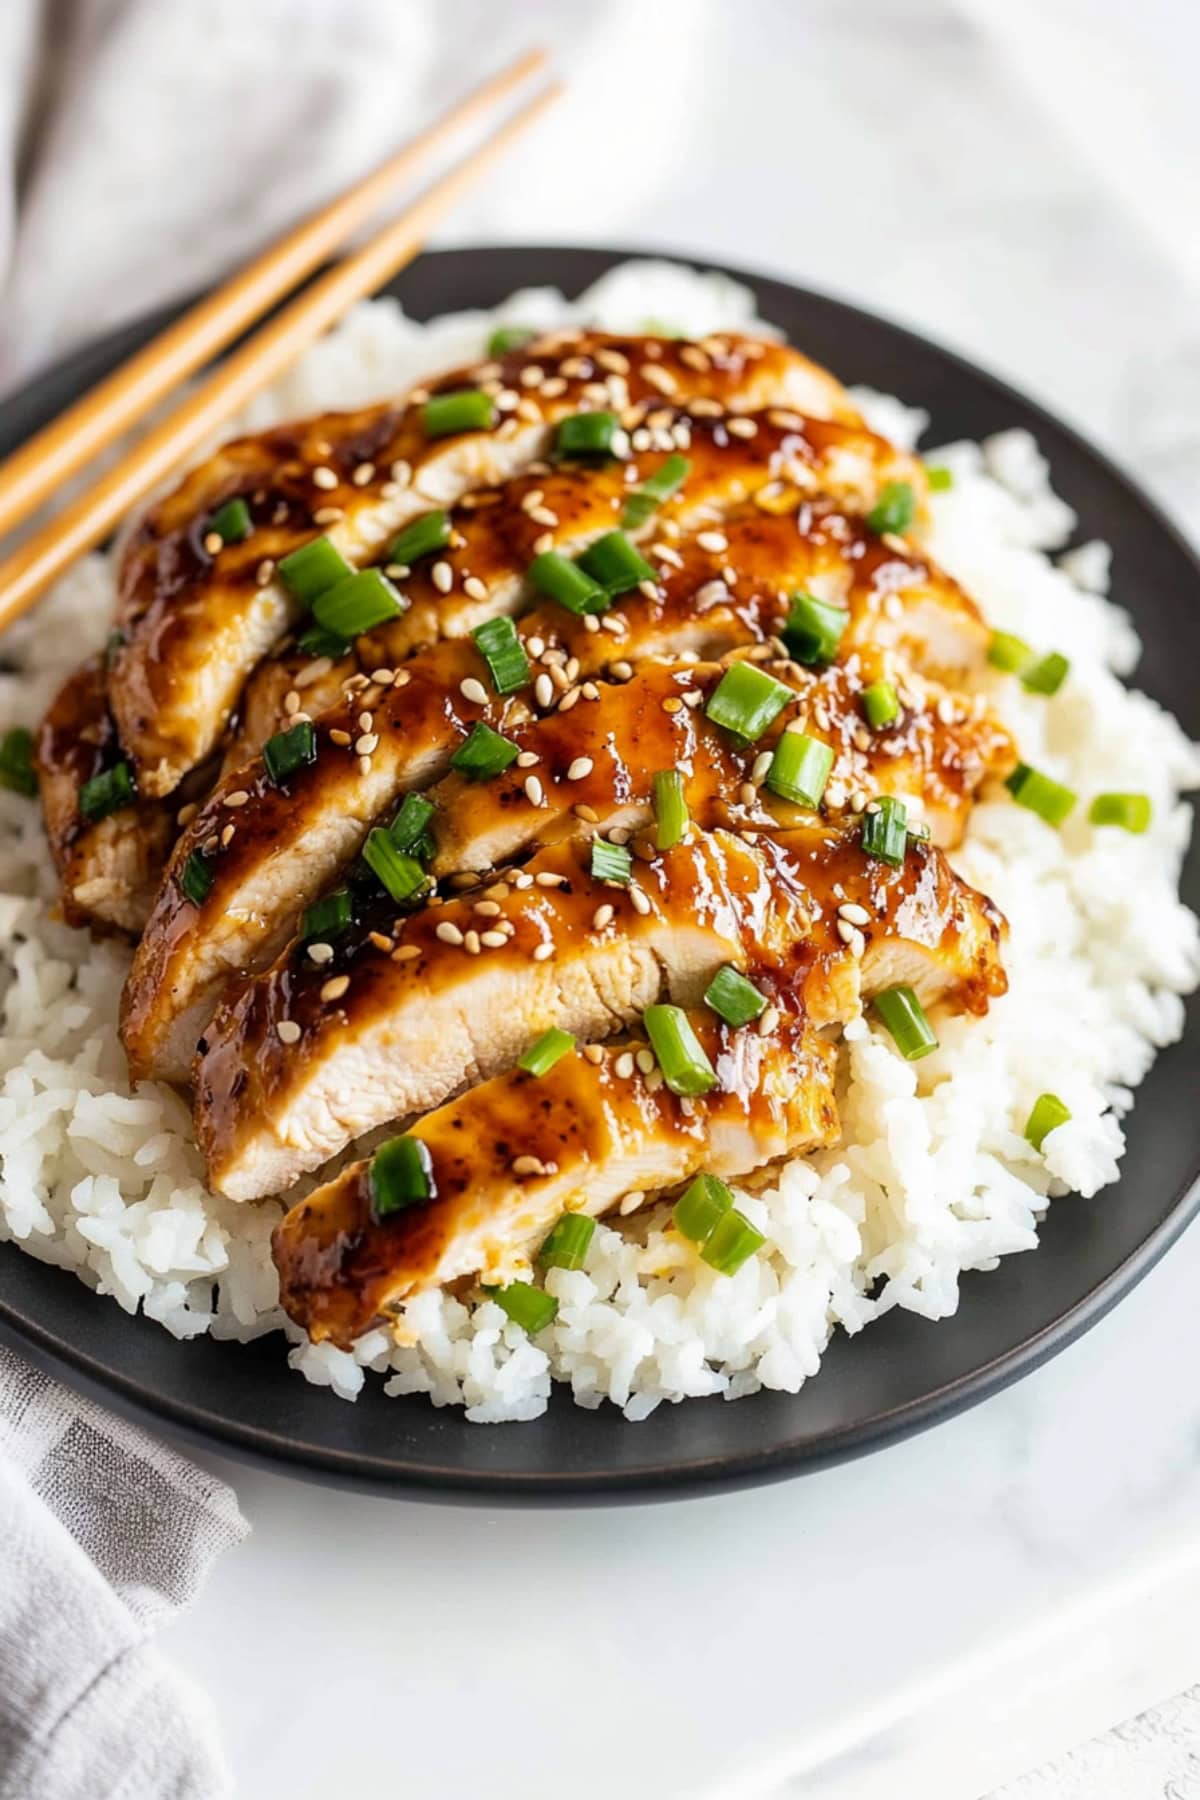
39	468
29	571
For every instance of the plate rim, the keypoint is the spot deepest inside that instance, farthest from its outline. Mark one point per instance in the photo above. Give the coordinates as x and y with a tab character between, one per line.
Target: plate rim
356	1469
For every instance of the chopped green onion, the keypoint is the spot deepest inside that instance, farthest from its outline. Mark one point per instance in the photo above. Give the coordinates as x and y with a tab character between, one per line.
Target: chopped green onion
1009	653
611	862
313	568
401	1176
586	434
700	1207
671	816
528	1306
1130	811
231	522
1047	674
550	1048
745	701
328	917
615	564
1047	1114
904	1017
408	829
895	509
16	761
939	479
196	877
358	604
402	875
686	1069
483	753
288	751
814	629
113	644
881	704
568	1243
107	793
733	998
1040	793
732	1242
799	769
465	409
885	831
421	537
645	500
509	337
567	583
316	641
504	654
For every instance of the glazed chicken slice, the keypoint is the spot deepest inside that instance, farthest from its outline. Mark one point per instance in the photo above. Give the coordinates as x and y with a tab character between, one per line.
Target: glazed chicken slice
592	768
511	1156
109	864
198	614
289	843
396	1015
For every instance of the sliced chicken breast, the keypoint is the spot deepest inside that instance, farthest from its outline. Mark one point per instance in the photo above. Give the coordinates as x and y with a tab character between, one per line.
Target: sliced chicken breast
398	1014
198	614
510	1157
288	843
110	866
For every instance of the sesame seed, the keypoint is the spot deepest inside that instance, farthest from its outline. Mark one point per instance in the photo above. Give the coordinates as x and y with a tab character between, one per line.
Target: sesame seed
473	690
487	909
858	944
580	768
522	881
742	428
288	1031
762	764
645	1061
239	797
367	744
853	913
543	952
473	588
329	515
569	699
405	953
364	473
624	1065
214	543
768	1019
494	940
527	1165
365	721
542	515
845	930
550	880
648	590
641	901
187	813
532	375
631	1202
335	988
662	379
449	933
533	791
543	691
715	541
543	542
611	622
589	690
603	916
587	813
747	793
528	759
442	576
535	647
471	943
593	1053
324	477
320	953
339	737
621	671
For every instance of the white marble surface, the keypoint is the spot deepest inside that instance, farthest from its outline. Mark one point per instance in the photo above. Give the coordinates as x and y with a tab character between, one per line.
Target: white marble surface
938	1617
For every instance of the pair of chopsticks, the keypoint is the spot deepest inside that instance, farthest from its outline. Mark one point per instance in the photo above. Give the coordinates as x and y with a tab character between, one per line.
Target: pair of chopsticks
34	472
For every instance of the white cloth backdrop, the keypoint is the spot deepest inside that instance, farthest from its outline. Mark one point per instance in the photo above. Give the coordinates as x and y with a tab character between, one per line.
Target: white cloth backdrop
147	145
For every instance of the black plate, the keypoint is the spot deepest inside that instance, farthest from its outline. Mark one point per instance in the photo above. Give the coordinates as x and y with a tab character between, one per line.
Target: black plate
899	1376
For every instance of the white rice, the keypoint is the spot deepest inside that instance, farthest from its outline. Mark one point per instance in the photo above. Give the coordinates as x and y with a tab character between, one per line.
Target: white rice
934	1176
